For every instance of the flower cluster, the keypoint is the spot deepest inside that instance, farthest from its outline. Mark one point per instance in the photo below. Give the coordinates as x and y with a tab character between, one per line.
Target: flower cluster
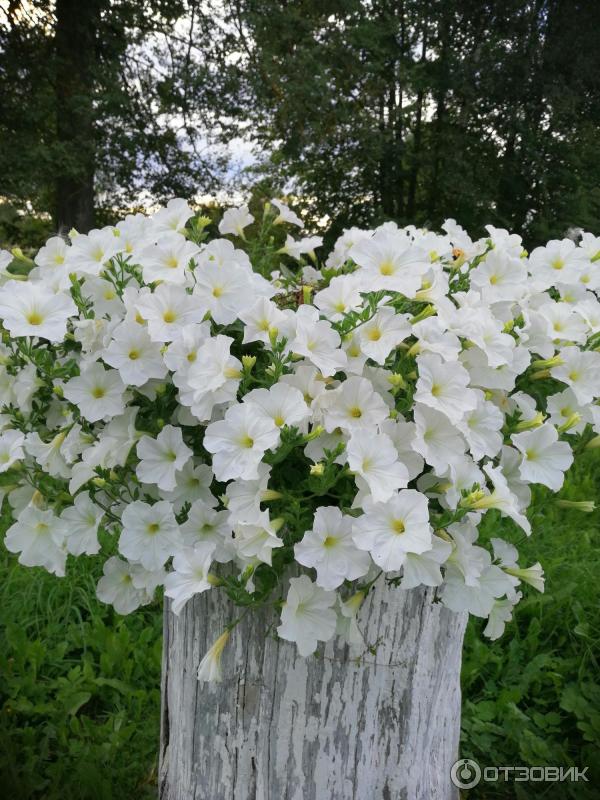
235	414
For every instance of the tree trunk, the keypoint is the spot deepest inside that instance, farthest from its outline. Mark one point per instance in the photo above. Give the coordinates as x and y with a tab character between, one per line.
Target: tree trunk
280	727
75	53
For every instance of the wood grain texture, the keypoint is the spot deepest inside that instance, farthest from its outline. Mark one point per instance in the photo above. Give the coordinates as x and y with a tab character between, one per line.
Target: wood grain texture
280	727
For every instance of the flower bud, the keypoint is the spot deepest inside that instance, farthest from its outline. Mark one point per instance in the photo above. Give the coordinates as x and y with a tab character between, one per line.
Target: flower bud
210	666
270	494
570	422
248	363
587	506
317	469
529	424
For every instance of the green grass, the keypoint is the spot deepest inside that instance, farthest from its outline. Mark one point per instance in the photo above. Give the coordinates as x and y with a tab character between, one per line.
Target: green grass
533	697
79	685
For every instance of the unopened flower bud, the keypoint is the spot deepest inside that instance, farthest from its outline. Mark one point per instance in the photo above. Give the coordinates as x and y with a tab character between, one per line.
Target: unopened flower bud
396	380
570	422
248	363
210	666
306	293
38	500
270	494
315	433
529	424
545	363
586	506
317	469
428	311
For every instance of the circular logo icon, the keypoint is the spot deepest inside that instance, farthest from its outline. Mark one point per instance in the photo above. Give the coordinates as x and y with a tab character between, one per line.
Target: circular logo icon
465	773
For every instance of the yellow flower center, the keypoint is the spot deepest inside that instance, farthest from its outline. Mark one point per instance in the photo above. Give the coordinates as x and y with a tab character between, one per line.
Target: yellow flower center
34	318
398	526
98	392
169	316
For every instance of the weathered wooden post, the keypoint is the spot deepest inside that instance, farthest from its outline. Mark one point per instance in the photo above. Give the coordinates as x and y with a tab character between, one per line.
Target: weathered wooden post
280	727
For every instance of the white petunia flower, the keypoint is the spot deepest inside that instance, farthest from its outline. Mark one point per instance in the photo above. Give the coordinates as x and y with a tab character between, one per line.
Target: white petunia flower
30	309
285	214
239	442
182	352
481	428
330	549
353	406
150	533
89	253
282	404
192	483
256	539
264	321
388	531
168	259
204	525
580	369
167	311
173	217
116	587
244	497
341	296
134	354
38	537
98	393
436	439
190	574
307	616
373	457
383	333
82	522
162	458
11	448
222	293
391	261
317	341
545	459
235	220
424	569
444	387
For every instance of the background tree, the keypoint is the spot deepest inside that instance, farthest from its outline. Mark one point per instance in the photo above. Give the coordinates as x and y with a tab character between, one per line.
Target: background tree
95	105
421	109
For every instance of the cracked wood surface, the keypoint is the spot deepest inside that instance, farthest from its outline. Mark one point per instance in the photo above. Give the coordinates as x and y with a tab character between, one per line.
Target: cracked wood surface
280	727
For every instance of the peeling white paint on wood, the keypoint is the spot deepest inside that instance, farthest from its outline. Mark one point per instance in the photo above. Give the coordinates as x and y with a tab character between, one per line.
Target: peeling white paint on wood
280	727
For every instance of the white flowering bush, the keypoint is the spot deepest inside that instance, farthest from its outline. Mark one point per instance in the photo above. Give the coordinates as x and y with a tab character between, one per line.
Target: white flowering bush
235	415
